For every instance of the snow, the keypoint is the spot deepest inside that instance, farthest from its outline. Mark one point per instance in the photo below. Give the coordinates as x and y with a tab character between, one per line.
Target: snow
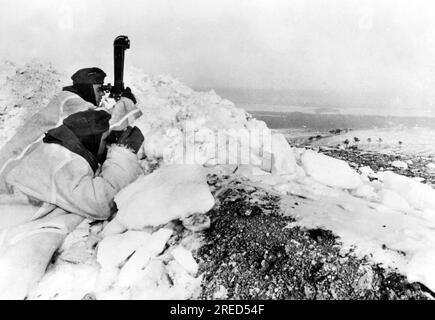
185	259
365	190
420	196
23	91
190	133
250	172
367	172
171	192
183	281
283	157
399	164
420	269
132	269
283	188
329	171
221	293
183	126
152	284
393	200
114	250
370	228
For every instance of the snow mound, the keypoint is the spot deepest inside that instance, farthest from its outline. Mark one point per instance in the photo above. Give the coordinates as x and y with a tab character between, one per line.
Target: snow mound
123	257
431	166
421	268
148	274
366	173
420	196
131	272
114	250
283	157
399	164
365	191
329	171
185	126
24	90
184	258
394	201
171	192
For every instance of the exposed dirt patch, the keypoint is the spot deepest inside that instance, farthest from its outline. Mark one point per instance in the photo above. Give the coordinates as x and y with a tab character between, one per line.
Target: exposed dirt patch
251	253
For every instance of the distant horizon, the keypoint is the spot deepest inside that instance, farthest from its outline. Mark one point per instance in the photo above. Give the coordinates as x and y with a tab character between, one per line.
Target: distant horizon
386	102
318	46
372	99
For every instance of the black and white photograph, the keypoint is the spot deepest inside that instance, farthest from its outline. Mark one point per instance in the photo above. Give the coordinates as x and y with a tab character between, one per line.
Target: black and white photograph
235	151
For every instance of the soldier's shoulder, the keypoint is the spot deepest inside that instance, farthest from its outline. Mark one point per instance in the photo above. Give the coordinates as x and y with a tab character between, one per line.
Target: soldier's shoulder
63	97
72	102
68	95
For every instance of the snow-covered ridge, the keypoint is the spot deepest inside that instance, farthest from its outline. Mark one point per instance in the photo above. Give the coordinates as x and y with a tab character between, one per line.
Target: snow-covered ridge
336	197
185	126
392	210
23	91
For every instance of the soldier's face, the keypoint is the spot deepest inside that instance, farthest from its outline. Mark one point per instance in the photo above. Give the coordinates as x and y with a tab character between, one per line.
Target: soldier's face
99	93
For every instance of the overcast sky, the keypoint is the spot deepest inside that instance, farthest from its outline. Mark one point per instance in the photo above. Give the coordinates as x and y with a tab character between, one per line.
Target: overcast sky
335	45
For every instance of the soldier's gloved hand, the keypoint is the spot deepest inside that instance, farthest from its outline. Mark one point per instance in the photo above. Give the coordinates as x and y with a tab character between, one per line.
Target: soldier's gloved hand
132	138
128	94
114	136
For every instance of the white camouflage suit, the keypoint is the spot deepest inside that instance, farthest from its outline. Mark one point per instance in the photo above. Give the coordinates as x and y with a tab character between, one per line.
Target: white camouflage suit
53	189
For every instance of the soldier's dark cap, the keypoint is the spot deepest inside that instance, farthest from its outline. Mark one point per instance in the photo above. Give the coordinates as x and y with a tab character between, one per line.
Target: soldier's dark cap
89	122
89	76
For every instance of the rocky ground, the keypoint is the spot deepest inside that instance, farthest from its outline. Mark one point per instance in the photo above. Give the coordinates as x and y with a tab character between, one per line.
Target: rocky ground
357	157
416	165
250	253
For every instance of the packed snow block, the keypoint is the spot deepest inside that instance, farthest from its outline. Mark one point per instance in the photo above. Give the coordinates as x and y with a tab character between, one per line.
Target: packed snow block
330	171
399	164
184	126
165	282
153	283
421	268
185	286
114	250
393	200
365	191
419	196
171	192
367	173
185	259
251	172
283	157
282	188
132	271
